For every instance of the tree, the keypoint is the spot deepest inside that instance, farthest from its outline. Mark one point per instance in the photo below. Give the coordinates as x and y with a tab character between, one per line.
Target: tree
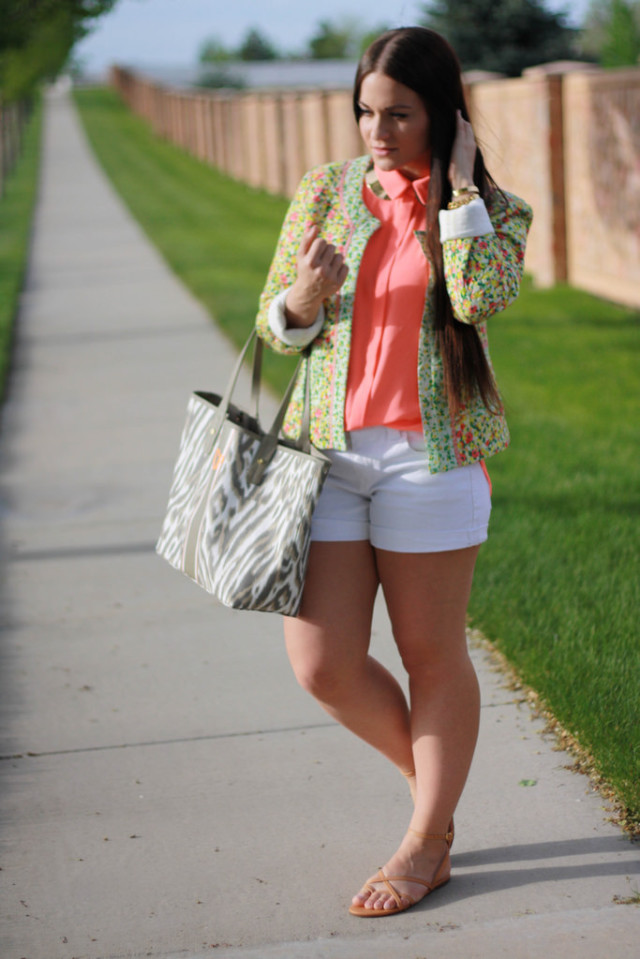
213	50
255	46
332	41
216	59
620	45
37	36
504	36
218	78
342	39
622	39
611	33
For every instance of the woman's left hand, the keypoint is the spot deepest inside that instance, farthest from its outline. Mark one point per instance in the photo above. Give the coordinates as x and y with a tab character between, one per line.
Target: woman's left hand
463	154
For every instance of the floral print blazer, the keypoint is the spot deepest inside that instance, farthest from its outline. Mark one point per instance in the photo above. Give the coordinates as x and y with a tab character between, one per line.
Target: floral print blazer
483	274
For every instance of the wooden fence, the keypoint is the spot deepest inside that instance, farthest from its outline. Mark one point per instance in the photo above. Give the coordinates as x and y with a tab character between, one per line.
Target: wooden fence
568	143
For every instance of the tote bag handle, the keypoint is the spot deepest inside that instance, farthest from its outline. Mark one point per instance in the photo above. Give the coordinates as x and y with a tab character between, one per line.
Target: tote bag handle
269	442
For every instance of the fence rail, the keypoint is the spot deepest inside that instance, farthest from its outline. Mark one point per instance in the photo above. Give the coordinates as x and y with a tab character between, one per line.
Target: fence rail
568	143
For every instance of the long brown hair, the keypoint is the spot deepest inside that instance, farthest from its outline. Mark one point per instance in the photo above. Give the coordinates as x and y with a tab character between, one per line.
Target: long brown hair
423	61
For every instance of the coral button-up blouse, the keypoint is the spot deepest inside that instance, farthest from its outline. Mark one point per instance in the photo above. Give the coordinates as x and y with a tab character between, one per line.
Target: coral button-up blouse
382	384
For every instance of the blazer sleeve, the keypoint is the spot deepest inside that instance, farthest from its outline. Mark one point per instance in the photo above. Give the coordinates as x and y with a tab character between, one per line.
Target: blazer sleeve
483	272
282	274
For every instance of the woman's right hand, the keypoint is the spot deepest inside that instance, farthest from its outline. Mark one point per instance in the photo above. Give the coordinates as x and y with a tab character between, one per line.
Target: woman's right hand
321	273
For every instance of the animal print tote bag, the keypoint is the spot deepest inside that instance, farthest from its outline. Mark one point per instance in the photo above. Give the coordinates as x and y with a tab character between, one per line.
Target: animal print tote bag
238	521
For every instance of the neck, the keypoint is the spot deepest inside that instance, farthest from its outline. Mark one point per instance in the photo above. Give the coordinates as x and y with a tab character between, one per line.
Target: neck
415	170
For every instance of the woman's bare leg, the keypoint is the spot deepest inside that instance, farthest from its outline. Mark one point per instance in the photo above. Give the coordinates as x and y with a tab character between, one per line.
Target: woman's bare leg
328	646
427	596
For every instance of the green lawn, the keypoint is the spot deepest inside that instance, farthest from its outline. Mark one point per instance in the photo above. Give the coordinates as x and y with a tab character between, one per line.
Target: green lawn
557	583
16	209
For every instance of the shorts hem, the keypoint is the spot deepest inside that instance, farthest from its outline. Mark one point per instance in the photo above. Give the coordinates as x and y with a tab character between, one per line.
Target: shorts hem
395	543
441	544
325	532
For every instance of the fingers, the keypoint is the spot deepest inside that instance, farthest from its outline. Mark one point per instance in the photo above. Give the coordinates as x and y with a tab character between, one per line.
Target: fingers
320	263
464	134
342	274
308	237
461	123
323	256
314	250
463	152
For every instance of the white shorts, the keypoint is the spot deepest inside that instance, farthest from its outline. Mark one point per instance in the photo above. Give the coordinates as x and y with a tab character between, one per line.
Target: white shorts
381	490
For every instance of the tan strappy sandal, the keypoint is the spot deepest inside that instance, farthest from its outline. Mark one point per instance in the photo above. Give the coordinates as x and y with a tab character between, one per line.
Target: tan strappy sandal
441	876
451	830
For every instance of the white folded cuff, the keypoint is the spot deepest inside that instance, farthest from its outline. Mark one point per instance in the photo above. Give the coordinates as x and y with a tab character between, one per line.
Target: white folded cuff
292	336
471	219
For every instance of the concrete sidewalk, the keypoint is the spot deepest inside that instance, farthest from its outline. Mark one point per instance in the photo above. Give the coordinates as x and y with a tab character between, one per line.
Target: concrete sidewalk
167	790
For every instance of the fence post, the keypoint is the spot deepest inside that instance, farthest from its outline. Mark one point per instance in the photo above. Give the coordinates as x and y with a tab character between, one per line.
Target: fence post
344	137
293	153
557	178
274	143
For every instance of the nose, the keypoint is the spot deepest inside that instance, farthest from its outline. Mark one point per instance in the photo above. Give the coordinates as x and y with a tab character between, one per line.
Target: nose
379	128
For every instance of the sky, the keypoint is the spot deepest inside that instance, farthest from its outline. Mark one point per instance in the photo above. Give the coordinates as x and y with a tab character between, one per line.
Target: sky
171	32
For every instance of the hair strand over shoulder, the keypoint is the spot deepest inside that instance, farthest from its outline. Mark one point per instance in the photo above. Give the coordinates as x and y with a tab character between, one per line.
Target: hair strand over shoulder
422	60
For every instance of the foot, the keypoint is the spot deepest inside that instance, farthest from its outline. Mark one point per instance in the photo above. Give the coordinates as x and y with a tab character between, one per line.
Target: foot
426	859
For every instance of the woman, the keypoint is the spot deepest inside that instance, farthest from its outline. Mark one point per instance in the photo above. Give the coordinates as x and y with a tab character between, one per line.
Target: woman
387	268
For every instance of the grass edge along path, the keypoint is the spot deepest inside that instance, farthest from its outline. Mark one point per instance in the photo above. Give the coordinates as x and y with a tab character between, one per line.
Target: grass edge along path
16	215
556	586
581	760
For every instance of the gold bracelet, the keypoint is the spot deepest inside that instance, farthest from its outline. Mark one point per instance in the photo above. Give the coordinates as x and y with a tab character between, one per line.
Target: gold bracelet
463	201
464	190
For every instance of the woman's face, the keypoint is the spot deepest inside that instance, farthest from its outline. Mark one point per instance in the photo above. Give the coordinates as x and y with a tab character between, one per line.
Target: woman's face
394	125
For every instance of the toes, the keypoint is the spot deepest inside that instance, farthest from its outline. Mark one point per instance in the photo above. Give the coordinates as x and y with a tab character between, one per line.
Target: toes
370	899
385	901
379	901
361	898
375	901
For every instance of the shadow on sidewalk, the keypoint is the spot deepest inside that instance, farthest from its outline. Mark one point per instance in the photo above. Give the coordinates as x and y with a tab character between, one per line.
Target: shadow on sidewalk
486	880
544	850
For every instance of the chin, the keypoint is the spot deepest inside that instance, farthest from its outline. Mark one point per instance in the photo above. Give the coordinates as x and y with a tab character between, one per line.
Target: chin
386	162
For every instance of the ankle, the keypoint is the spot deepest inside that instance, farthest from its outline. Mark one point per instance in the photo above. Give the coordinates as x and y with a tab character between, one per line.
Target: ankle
446	837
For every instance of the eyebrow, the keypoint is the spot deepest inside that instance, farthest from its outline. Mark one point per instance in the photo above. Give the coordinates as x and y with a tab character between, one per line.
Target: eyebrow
392	106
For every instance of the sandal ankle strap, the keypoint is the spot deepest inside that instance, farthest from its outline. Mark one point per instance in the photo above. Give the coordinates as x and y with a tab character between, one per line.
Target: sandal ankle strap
447	836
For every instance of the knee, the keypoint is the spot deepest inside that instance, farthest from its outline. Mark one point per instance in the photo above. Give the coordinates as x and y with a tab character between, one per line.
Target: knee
436	667
322	678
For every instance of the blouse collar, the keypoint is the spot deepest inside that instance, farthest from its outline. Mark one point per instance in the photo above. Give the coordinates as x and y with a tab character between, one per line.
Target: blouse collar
391	184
